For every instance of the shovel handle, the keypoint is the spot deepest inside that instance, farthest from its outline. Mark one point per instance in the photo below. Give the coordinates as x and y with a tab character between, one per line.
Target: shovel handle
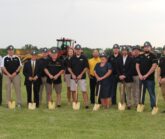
141	97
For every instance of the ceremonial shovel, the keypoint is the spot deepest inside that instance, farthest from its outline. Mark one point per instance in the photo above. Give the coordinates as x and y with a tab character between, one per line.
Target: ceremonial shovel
11	103
76	105
97	106
122	105
140	107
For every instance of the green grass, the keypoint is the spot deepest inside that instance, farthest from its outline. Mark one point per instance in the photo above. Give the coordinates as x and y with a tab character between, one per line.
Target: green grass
65	123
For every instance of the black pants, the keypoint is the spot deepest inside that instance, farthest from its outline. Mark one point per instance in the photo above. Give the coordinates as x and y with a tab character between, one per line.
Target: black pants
93	89
93	83
0	89
114	88
36	89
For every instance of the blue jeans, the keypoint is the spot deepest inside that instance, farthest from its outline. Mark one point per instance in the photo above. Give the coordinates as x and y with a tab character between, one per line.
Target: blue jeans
150	86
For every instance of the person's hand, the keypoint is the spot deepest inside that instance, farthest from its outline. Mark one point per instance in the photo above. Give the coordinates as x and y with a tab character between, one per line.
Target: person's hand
30	78
10	76
74	77
122	77
13	75
51	76
145	77
35	78
140	77
55	77
162	80
98	78
79	77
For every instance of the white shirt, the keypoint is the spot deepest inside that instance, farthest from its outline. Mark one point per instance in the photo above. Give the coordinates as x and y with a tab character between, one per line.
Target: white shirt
124	59
2	62
33	62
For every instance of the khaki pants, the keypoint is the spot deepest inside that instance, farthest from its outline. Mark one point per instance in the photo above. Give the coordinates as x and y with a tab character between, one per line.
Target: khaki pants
16	81
58	89
136	90
42	89
126	90
163	89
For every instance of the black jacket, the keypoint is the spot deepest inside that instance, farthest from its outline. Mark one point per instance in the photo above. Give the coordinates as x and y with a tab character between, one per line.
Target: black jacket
126	69
27	71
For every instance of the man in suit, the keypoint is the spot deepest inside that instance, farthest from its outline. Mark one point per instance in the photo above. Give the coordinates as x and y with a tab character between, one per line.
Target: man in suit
32	73
124	70
114	80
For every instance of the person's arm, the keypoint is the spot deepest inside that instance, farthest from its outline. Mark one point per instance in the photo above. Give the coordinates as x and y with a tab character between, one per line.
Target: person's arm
152	69
106	75
96	75
58	74
81	74
159	75
86	67
138	71
72	74
6	72
48	73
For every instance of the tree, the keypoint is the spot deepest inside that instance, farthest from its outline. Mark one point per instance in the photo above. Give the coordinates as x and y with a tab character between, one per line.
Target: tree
29	47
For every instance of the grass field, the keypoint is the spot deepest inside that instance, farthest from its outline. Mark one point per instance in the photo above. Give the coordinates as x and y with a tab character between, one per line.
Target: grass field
68	124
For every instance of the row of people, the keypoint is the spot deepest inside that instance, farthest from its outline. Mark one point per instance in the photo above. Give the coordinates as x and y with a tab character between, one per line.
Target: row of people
110	72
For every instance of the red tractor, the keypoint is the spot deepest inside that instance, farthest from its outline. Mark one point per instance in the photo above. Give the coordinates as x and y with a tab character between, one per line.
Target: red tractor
63	44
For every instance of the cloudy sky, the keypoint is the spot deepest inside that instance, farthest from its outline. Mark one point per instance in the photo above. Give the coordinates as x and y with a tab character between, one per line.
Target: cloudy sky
92	23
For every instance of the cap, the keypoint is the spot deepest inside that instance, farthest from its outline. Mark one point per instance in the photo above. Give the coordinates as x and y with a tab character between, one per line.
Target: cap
116	46
54	50
34	52
125	48
137	47
103	55
78	46
146	44
45	50
10	47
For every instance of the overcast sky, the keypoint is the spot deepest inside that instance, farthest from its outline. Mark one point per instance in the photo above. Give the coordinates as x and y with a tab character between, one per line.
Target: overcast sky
92	23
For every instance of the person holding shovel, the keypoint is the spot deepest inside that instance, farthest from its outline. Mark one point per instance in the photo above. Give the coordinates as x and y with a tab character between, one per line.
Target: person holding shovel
43	62
67	75
135	84
161	74
145	67
54	69
78	67
102	72
113	60
11	66
32	73
93	82
124	71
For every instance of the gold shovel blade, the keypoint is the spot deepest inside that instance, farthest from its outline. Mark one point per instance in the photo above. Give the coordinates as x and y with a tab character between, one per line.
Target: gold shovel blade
140	108
76	105
96	107
155	110
51	105
121	106
32	106
11	104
